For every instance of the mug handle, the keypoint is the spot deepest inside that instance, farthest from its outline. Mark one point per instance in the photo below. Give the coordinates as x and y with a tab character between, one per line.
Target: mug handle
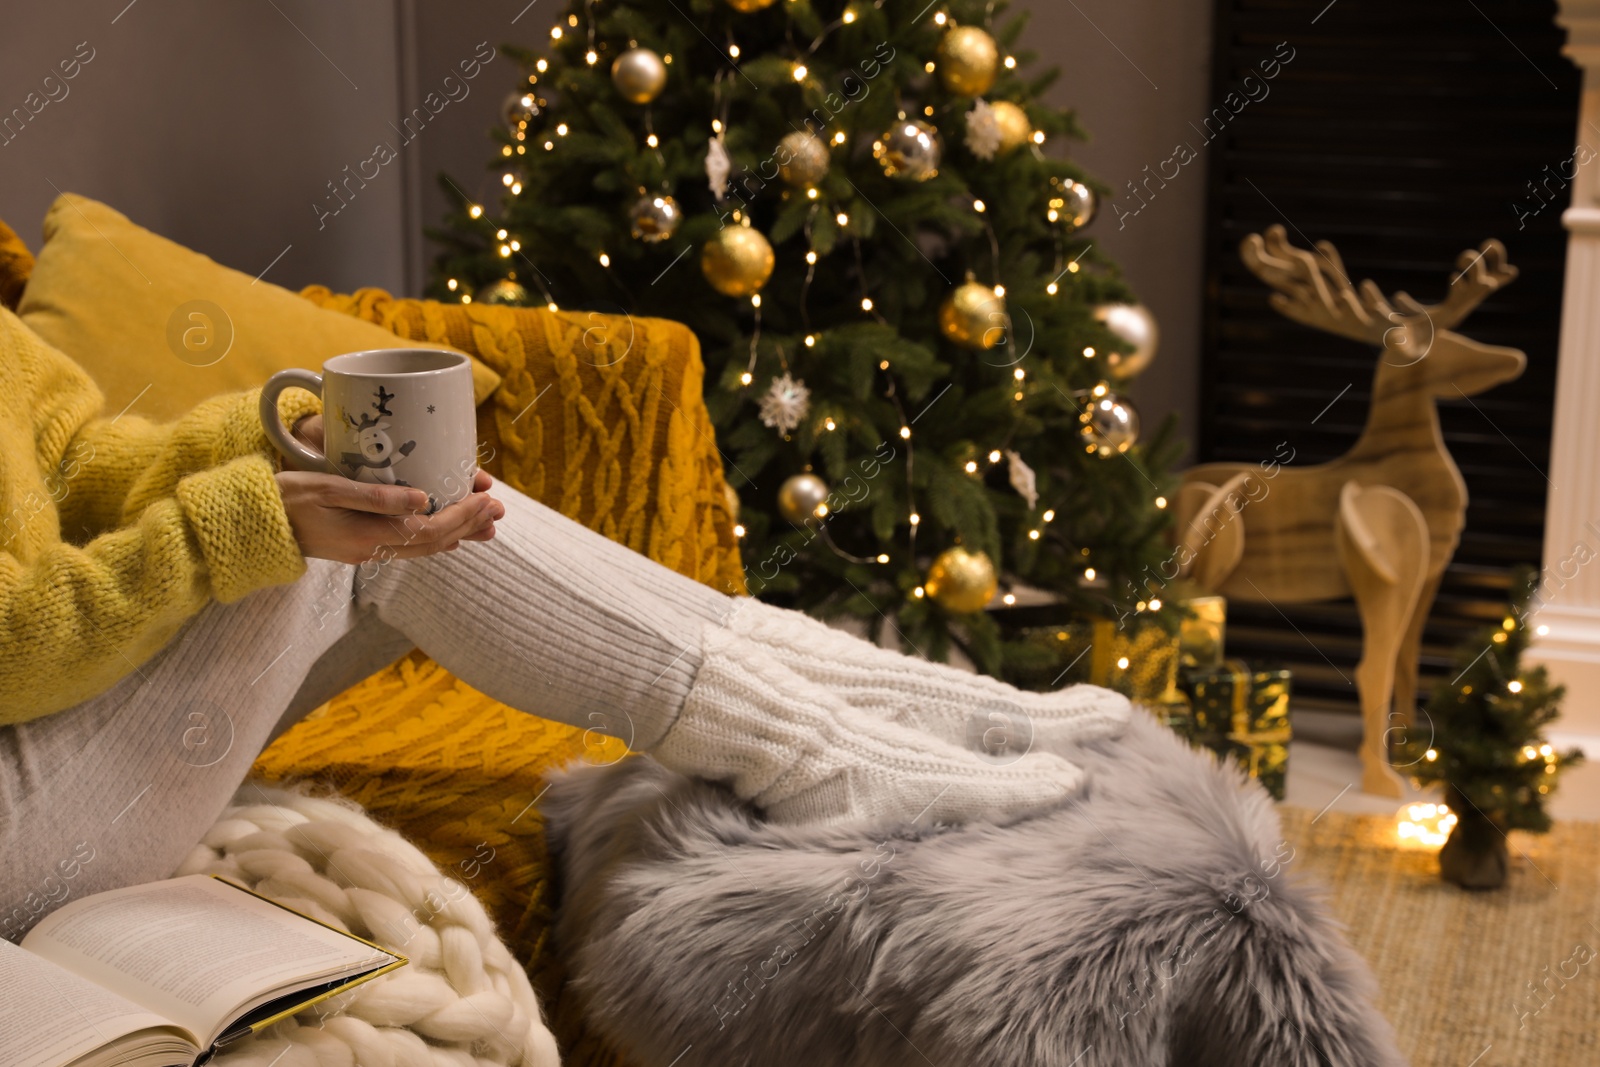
295	454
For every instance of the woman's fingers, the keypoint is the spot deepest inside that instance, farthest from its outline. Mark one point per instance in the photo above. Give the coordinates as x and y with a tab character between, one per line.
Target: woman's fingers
332	491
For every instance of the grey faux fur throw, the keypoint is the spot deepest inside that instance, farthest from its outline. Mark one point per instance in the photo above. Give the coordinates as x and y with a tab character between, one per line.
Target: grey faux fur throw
1155	921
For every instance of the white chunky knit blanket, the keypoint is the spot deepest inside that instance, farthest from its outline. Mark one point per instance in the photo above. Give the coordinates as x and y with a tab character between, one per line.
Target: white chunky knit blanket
463	1001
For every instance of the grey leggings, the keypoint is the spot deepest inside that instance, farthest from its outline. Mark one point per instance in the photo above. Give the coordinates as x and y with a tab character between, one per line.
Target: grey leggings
116	790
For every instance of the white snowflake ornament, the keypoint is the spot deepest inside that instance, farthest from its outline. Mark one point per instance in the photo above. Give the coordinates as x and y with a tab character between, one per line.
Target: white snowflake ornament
785	404
983	130
1023	480
718	166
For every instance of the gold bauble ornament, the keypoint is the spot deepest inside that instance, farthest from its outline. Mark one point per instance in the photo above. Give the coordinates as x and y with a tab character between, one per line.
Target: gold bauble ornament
1137	334
1012	121
737	261
505	291
973	316
639	75
1072	205
654	218
805	158
968	58
1109	422
747	6
962	582
800	496
908	149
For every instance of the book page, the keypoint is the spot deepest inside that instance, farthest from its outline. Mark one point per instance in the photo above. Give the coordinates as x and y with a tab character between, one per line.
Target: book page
51	1016
194	949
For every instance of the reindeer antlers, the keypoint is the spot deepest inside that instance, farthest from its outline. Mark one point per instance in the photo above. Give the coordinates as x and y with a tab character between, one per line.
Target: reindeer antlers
1313	289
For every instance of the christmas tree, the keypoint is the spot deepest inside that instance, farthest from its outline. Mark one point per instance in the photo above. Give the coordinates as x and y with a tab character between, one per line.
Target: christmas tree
1482	740
914	352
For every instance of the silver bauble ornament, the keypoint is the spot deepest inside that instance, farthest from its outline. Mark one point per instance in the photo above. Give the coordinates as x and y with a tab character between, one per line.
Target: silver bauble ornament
800	496
654	218
908	149
518	110
1072	205
1137	334
1109	422
961	581
805	157
505	291
639	75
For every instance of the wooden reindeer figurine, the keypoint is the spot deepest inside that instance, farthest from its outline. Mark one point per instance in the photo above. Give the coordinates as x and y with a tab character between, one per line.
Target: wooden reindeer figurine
1380	522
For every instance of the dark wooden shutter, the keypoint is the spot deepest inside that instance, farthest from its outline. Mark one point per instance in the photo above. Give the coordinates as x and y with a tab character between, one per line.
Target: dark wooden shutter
1404	132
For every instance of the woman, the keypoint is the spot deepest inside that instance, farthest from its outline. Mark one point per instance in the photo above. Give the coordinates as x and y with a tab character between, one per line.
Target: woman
169	600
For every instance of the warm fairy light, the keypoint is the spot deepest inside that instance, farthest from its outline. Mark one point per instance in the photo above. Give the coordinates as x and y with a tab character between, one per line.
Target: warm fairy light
928	111
451	284
745	378
811	257
1017	396
905	432
466	298
652	140
522	149
516	246
755	300
1500	636
1547	752
849	15
977	205
1425	825
507	179
941	18
1011	62
1008	599
475	211
994	456
1099	390
516	188
811	339
1033	535
555	33
883	364
1049	515
999	290
1088	572
928	66
829	424
1514	686
1542	630
811	193
1051	288
733	51
548	145
1529	752
505	150
917	592
799	72
842	219
1155	605
716	125
590	57
1122	663
866	303
505	251
561	130
916	519
838	138
572	20
1161	501
542	66
1019	374
883	557
666	58
738	530
1072	268
1038	137
1508	623
971	466
605	260
821	511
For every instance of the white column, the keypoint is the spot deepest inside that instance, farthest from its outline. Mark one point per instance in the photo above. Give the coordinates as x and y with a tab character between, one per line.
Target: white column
1567	617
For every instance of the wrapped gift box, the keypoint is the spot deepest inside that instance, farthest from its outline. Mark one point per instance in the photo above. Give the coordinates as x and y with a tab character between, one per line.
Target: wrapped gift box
1242	713
1139	660
1200	637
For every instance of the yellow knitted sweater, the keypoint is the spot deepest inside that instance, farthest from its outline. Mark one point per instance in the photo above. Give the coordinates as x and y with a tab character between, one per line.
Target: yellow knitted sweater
116	530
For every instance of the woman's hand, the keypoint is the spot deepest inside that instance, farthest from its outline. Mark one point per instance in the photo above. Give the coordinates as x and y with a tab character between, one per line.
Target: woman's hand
353	522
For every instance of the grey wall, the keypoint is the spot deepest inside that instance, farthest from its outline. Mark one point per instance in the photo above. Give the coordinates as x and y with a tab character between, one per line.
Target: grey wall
220	125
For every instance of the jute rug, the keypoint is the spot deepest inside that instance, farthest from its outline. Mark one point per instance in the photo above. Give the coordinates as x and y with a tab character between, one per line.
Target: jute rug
1502	979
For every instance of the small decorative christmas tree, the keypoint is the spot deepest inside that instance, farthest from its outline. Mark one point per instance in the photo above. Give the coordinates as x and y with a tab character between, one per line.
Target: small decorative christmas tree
915	353
1482	740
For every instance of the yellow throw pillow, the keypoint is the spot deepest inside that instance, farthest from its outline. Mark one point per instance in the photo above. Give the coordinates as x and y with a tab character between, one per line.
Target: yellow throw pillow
153	321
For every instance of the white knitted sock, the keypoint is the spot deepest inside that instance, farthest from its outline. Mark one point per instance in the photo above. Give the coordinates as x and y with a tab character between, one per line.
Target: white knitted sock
804	755
959	706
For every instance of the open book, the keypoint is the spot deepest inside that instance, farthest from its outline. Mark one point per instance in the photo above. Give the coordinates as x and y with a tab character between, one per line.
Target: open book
161	975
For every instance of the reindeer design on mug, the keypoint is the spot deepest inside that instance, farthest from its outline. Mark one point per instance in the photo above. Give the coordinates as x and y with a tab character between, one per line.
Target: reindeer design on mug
378	455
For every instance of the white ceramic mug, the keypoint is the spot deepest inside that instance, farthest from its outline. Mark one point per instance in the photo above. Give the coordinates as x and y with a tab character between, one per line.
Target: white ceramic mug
396	416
